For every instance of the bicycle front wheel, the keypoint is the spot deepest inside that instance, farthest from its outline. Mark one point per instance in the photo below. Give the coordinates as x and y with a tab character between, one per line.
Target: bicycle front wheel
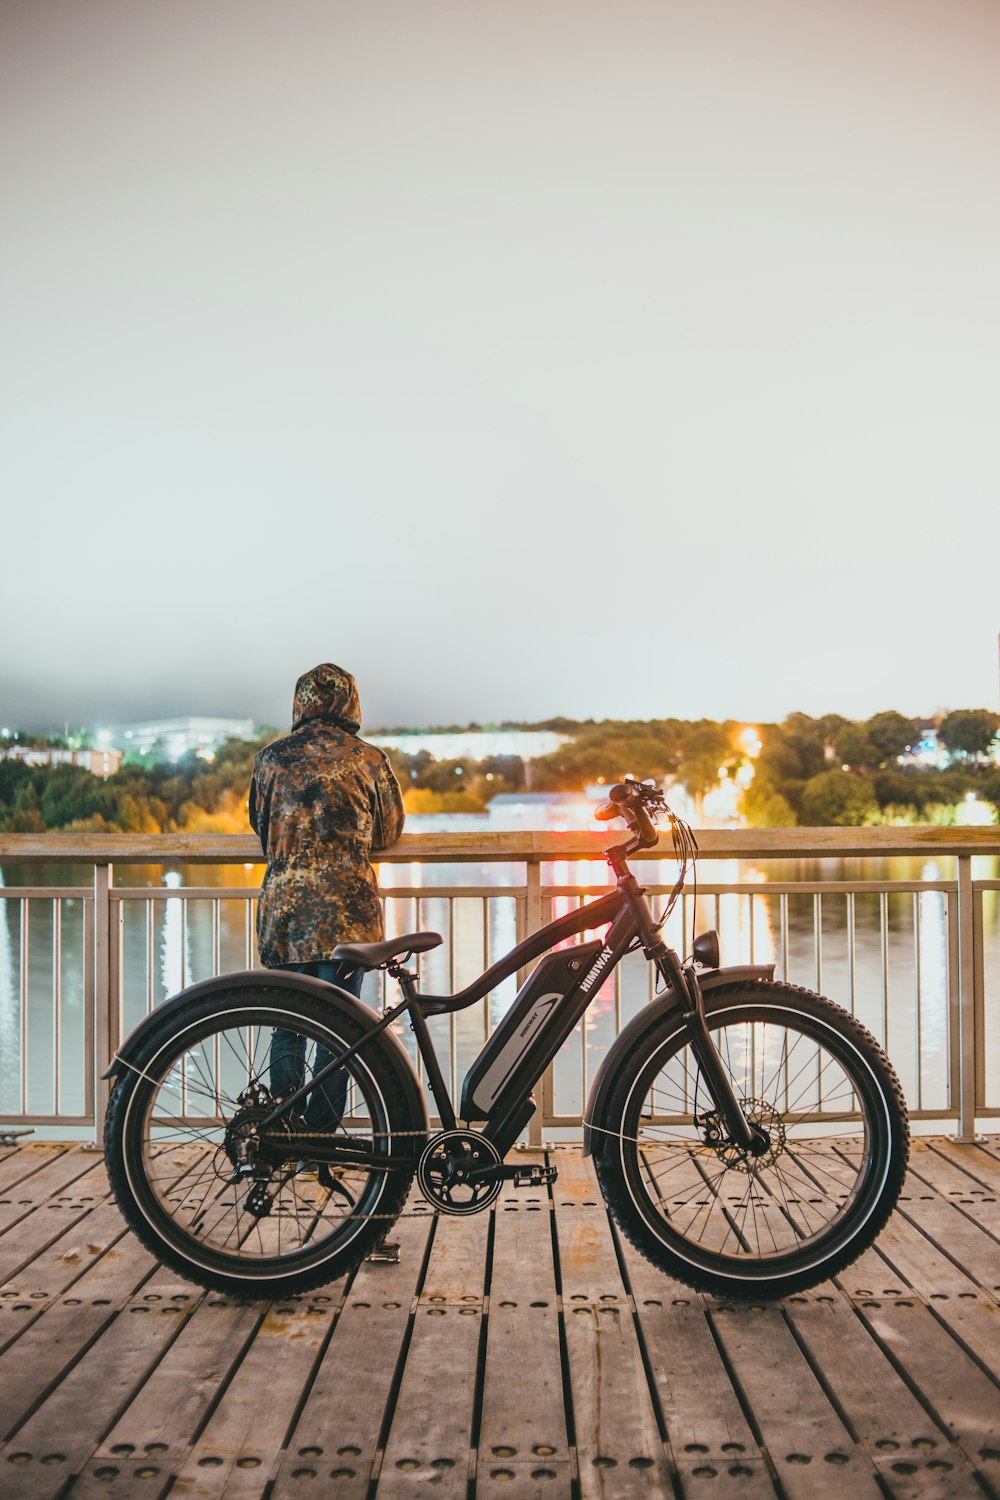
232	1203
723	1221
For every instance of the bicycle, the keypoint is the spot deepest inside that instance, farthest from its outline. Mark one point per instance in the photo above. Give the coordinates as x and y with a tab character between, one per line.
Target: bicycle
750	1137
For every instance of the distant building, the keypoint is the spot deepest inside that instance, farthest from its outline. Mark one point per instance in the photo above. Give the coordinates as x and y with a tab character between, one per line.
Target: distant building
171	738
103	763
474	744
510	811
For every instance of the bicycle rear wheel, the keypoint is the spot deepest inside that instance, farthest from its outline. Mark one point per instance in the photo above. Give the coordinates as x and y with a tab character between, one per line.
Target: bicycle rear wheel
702	1210
232	1204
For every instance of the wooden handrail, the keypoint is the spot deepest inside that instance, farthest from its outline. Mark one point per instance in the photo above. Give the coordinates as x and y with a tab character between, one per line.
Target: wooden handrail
492	846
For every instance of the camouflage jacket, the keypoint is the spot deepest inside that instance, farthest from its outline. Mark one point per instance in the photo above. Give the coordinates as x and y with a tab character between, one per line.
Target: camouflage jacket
321	800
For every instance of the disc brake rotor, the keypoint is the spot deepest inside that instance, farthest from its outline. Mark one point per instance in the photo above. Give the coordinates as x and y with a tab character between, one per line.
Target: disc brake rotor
757	1112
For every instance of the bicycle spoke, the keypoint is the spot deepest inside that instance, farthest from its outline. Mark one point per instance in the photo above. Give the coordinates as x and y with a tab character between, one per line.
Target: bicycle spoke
727	1202
245	1212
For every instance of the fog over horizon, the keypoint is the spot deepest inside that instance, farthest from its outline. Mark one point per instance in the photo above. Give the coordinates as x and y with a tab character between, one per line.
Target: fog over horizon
625	361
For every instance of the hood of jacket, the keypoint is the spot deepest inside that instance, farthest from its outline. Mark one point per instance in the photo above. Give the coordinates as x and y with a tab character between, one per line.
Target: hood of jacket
327	692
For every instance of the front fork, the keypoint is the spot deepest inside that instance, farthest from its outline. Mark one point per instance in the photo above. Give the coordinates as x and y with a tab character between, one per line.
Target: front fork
684	982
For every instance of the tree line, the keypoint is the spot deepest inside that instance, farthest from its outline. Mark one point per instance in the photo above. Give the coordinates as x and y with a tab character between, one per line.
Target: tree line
809	771
189	795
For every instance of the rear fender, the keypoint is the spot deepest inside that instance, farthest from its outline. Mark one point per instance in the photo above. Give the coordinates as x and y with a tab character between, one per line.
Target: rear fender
648	1019
257	979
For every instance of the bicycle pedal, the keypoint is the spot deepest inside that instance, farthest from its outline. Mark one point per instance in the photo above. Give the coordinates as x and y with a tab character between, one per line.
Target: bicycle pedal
534	1176
385	1255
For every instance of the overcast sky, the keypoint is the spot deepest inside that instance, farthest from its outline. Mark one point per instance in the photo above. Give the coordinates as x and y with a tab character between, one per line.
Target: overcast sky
631	358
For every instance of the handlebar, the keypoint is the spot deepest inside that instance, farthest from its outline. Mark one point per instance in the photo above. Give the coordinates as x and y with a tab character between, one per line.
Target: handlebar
634	801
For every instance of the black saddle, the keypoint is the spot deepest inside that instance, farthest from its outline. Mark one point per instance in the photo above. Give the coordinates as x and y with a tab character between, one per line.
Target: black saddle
374	955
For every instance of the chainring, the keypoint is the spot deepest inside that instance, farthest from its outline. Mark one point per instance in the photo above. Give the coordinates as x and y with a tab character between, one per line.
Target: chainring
442	1173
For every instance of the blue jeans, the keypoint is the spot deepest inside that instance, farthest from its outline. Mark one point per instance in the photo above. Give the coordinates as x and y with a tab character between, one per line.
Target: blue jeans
325	1104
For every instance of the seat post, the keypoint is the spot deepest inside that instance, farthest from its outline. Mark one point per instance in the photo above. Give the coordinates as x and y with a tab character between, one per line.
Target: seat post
406	979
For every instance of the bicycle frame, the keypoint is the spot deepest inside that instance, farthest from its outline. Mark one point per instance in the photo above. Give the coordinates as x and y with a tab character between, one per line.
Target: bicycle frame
546	1010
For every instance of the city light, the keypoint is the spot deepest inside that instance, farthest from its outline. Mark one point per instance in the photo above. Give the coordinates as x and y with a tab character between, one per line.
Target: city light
971	813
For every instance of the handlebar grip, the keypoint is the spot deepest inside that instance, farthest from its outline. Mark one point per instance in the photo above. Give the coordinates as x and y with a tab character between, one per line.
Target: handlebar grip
646	827
607	810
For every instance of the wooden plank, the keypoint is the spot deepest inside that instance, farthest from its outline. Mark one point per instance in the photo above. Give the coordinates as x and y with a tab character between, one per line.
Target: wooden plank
67	1258
50	1342
213	848
102	1237
59	1435
912	1359
45	1224
171	1407
523	1420
336	1436
965	1401
968	1198
169	1410
912	1453
619	1447
66	1175
706	1426
430	1439
956	1239
872	1275
947	1167
975	1323
990	1146
813	1453
917	1260
22	1162
99	1234
963	1318
980	1164
233	1456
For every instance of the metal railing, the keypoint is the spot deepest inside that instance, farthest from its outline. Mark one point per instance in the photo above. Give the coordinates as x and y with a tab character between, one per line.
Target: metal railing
917	960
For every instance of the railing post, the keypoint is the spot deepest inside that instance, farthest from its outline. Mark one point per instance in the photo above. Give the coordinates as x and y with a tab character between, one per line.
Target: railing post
967	1039
532	922
104	1029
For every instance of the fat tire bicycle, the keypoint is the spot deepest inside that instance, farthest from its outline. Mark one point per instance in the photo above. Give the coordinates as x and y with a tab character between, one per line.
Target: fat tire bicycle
750	1137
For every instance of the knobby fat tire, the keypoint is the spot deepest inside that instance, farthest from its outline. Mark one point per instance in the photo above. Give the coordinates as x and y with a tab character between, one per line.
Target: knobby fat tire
847	1235
166	1237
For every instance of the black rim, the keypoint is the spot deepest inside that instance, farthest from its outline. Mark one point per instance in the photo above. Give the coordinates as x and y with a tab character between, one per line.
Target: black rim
179	1137
808	1194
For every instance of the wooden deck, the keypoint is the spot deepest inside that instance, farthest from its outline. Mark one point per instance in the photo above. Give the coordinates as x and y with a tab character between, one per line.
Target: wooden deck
523	1352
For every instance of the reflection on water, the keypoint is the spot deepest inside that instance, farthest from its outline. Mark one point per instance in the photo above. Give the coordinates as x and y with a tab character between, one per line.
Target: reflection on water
175	959
884	955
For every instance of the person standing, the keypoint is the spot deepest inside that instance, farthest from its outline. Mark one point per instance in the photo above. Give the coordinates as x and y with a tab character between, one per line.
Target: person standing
321	800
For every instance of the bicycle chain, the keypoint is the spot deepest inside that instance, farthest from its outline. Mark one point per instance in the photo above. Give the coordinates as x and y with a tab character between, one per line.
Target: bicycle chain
314	1135
422	1213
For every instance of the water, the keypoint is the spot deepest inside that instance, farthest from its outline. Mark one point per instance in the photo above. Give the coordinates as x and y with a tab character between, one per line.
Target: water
167	944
